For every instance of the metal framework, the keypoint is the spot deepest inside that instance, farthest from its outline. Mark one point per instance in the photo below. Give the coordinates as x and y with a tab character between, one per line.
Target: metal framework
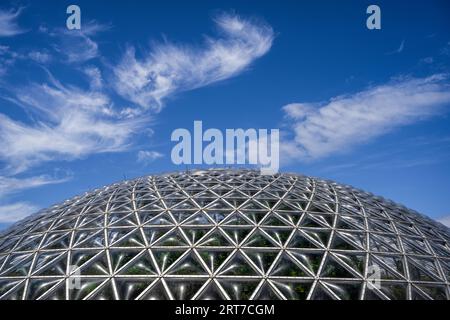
225	234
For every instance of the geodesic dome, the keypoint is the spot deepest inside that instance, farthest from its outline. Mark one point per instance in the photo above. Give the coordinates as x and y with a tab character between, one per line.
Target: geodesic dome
226	234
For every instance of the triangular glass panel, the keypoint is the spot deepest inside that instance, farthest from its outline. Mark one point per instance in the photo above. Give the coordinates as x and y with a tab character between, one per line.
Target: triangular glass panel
236	234
436	292
38	287
80	257
116	234
372	294
215	239
285	267
275	221
87	239
121	257
146	216
254	216
262	259
293	290
380	225
301	241
153	234
348	241
355	240
417	294
156	292
292	217
181	215
238	266
163	219
286	207
236	219
57	240
320	293
217	215
219	205
7	285
88	285
55	268
197	219
320	235
394	291
214	258
96	266
279	235
173	238
130	289
332	269
311	260
58	292
142	265
17	265
188	265
307	221
14	294
184	290
122	220
195	234
423	270
44	258
259	239
415	245
165	258
383	243
131	240
239	289
266	292
345	290
391	267
211	292
355	261
106	292
94	221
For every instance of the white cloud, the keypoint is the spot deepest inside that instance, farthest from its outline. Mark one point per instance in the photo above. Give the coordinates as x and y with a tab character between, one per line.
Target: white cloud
14	212
72	123
78	46
40	56
8	23
95	77
445	220
9	185
148	156
345	121
171	68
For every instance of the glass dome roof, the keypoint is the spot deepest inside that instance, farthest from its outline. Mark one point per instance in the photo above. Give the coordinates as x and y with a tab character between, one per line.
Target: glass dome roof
226	234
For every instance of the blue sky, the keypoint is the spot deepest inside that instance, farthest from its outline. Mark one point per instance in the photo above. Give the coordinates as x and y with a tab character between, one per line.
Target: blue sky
82	109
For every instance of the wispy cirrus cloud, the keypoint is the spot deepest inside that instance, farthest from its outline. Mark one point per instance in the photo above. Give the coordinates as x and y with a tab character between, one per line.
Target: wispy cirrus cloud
78	46
10	185
8	23
146	156
322	129
72	123
41	57
170	68
10	213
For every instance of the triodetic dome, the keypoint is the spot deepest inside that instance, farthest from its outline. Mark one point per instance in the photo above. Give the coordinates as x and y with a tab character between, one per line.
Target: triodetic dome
226	234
